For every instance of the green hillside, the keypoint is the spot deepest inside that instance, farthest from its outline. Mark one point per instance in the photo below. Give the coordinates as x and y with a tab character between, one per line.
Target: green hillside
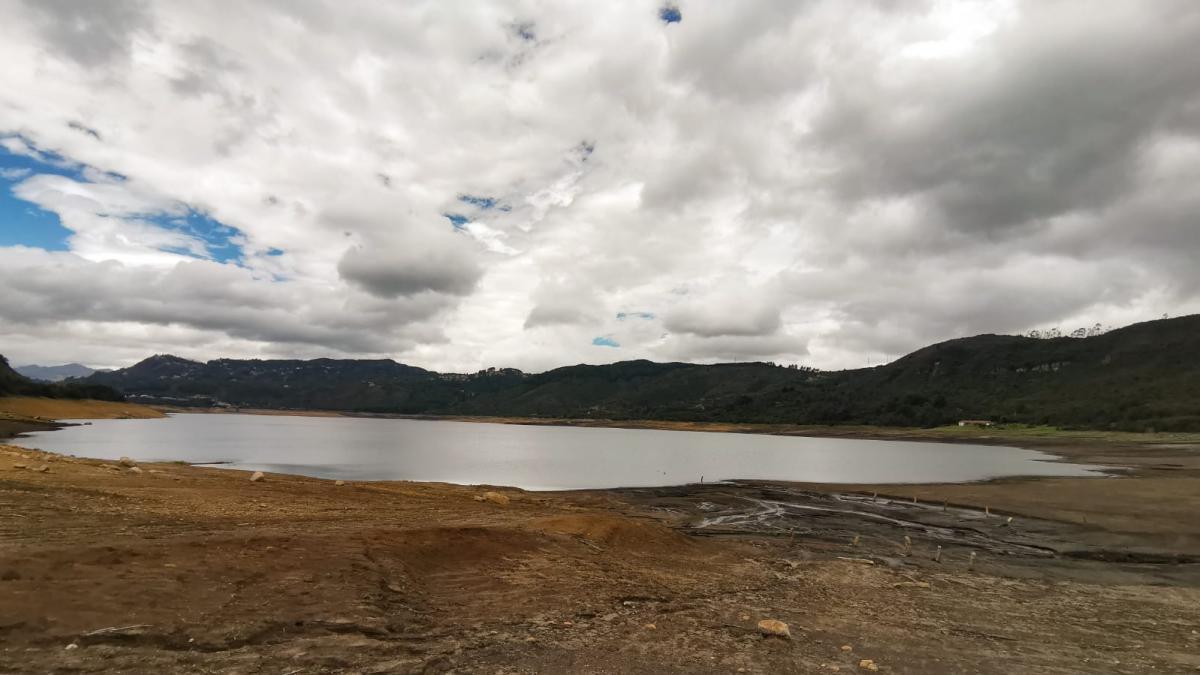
1143	376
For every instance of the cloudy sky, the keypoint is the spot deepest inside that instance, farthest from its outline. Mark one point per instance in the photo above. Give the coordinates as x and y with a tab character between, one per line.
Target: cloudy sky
532	184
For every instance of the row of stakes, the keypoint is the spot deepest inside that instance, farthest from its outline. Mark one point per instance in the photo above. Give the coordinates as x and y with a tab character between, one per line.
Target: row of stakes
987	510
937	555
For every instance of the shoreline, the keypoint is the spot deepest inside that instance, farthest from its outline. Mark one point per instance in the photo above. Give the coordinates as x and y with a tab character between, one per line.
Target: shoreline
289	572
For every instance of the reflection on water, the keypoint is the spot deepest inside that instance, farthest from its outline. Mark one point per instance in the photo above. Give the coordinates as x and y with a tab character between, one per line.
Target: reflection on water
532	457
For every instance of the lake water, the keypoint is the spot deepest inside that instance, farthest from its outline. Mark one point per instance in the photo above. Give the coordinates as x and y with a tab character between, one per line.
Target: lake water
532	457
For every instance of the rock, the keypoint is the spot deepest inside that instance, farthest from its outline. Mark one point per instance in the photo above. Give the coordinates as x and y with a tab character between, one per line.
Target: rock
43	469
868	664
847	648
650	626
256	476
745	617
339	482
110	467
71	646
775	628
135	469
20	466
496	498
125	461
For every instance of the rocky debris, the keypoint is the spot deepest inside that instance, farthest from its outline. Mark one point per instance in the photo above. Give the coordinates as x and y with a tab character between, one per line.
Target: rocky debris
650	626
20	466
339	483
71	646
135	469
43	469
125	461
256	476
868	664
493	497
847	648
774	628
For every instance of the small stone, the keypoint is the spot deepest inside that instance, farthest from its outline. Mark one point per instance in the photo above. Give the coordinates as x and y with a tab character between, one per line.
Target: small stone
774	627
611	616
135	469
43	469
847	648
339	482
745	617
650	626
835	668
496	498
125	461
868	664
256	476
20	466
71	646
110	467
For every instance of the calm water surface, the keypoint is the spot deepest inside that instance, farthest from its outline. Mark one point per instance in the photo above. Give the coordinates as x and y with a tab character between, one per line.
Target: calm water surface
533	457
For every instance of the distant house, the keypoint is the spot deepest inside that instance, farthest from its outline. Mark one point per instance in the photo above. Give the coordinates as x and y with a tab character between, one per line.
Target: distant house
976	423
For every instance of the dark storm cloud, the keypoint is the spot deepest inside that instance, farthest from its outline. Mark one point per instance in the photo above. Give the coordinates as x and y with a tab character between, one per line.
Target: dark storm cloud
93	32
1049	118
409	270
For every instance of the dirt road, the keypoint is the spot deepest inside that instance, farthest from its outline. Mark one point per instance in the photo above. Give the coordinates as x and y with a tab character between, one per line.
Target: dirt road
181	569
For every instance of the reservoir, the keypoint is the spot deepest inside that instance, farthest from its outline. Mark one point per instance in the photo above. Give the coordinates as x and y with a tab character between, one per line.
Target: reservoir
533	457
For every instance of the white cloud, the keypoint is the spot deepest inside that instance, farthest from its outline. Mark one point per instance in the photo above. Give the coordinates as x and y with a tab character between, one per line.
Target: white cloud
783	181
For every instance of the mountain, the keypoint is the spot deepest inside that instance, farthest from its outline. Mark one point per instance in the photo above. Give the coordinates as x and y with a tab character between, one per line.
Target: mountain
1143	376
13	383
54	373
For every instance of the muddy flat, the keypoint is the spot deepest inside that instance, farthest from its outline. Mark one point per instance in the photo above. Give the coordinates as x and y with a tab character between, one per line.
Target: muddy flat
175	568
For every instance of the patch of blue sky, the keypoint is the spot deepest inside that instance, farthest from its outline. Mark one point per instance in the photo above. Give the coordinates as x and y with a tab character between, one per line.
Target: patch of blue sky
646	316
458	220
670	14
222	242
483	203
25	224
605	341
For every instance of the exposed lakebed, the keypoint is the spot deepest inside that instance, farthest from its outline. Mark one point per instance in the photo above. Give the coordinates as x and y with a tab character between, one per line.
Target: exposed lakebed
533	457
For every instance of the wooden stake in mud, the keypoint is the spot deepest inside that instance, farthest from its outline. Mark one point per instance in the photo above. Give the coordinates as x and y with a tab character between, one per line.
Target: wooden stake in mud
987	511
907	545
1008	522
874	496
971	562
914	499
855	542
943	505
937	556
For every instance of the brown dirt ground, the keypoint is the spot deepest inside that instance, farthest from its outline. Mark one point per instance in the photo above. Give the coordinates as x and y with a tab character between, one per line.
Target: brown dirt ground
185	569
65	409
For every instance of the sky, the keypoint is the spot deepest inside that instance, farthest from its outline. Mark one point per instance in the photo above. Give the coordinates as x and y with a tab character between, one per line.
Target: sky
531	184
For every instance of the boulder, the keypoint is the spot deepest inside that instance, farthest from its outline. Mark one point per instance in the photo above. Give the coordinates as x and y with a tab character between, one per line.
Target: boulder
20	466
135	469
125	461
868	664
774	628
256	476
43	469
339	482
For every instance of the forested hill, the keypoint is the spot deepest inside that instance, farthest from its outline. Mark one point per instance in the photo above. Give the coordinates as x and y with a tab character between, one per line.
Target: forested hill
1142	376
13	383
